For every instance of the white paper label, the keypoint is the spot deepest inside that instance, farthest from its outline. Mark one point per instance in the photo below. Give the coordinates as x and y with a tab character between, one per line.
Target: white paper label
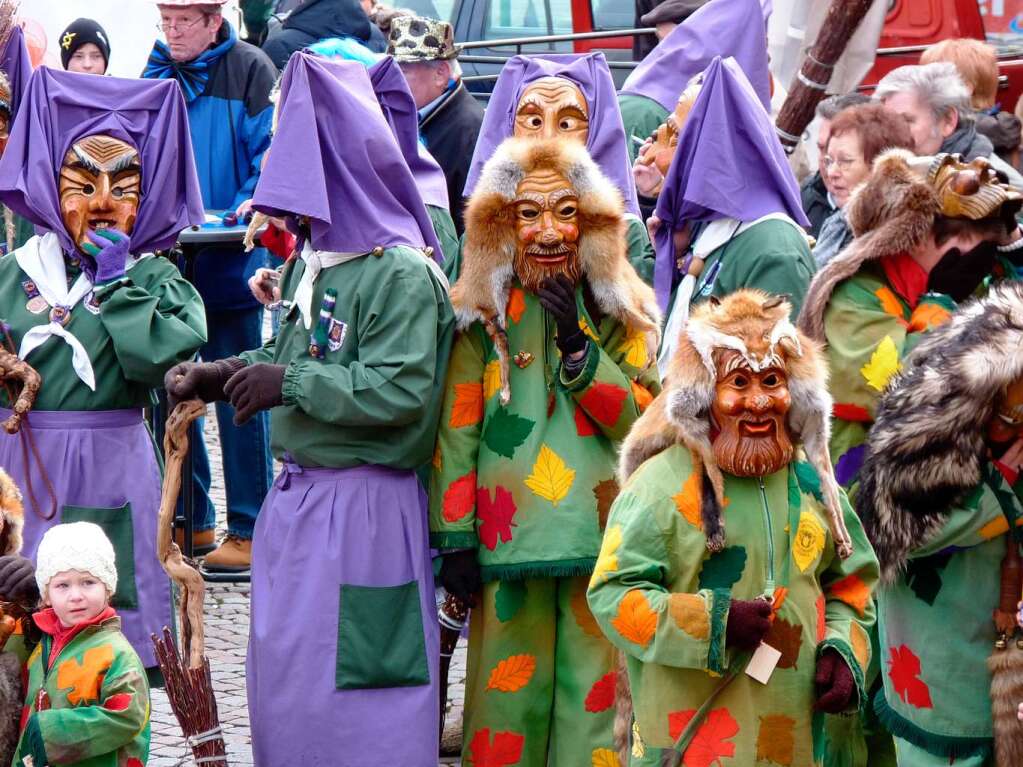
763	663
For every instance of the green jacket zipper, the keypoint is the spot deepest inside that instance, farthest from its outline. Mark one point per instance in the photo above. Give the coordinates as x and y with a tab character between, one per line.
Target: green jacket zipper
769	586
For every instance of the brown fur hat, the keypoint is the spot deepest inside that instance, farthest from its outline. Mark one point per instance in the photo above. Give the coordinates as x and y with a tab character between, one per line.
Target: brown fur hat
12	514
756	325
481	292
889	213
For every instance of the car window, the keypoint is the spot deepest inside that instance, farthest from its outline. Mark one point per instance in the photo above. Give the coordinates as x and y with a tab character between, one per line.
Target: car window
613	14
529	18
432	9
1003	24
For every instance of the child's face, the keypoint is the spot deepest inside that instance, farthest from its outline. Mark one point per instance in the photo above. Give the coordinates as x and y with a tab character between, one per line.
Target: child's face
76	596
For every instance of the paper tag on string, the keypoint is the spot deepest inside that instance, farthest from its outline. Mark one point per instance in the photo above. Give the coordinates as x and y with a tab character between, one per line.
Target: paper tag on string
763	663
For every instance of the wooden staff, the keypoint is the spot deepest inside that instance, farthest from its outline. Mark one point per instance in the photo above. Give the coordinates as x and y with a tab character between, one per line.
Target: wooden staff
810	85
189	688
16	371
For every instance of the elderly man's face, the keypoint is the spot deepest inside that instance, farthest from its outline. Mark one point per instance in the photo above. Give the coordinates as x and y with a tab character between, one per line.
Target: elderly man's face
927	131
426	79
188	30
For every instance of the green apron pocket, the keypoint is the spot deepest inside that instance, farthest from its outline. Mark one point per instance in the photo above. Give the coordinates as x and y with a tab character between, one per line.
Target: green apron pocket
116	523
380	641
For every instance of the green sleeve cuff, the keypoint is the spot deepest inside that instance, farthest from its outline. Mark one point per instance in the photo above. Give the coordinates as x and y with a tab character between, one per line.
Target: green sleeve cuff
938	299
104	290
588	372
291	389
717	656
845	650
32	742
454	540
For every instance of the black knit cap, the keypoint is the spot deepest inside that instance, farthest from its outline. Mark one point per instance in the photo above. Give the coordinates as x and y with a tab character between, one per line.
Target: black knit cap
78	33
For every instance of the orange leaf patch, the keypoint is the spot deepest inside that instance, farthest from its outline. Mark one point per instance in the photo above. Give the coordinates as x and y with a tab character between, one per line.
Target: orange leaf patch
85	678
853	591
822	624
710	743
516	304
890	304
583	617
687	500
642	395
927	317
459	497
602	695
468	407
635	620
512	673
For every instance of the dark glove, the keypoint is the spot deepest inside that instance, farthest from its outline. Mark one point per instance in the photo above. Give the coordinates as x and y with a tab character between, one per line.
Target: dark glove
557	296
748	623
205	380
460	575
109	249
835	683
959	274
254	388
18	580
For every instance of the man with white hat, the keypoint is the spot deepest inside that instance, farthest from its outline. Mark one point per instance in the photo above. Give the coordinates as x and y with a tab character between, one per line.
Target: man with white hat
226	84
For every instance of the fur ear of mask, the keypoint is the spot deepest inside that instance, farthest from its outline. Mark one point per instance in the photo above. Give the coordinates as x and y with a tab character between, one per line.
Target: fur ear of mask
481	292
891	212
13	515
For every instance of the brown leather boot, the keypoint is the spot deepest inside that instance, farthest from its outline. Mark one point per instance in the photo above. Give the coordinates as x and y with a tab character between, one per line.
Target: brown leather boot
231	555
203	541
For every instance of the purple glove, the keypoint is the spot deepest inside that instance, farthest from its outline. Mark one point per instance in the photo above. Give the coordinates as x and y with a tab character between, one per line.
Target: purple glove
835	683
109	249
748	623
254	388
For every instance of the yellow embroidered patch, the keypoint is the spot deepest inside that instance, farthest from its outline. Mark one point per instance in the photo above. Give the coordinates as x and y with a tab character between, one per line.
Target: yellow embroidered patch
809	542
551	478
883	364
605	757
638	749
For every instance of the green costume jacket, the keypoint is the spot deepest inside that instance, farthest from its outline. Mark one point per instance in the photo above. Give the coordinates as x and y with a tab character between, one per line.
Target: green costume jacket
99	702
375	396
530	484
662	599
143	325
641	116
936	628
870	328
444	228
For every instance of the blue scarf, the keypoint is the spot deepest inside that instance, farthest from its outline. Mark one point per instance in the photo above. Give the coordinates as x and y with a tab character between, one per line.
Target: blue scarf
191	75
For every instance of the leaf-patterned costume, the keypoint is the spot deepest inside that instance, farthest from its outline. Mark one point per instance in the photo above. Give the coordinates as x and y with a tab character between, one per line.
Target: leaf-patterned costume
98	697
664	600
529	486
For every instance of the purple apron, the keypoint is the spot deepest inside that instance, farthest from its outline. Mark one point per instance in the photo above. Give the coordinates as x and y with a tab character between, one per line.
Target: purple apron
103	468
343	646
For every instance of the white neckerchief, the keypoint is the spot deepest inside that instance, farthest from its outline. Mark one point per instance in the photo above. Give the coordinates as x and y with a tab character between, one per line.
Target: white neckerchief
317	260
713	236
42	260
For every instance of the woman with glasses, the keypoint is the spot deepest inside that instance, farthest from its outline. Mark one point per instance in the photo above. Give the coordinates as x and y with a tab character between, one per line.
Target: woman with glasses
858	135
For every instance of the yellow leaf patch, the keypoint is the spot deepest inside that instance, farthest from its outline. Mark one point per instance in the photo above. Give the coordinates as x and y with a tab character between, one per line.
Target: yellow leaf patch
809	542
513	673
551	478
607	562
638	749
634	348
605	757
860	644
884	363
690	614
584	326
635	620
491	379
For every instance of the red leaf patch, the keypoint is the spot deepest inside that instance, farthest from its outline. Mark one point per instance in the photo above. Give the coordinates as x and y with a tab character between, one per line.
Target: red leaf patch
118	702
459	496
495	516
602	695
583	425
604	402
506	749
710	743
904	671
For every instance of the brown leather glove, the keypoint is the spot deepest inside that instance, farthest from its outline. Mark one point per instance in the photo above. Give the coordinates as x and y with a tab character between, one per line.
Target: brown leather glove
835	683
254	388
748	623
205	380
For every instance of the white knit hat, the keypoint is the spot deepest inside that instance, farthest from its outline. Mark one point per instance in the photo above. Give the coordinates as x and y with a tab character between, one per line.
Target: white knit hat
75	546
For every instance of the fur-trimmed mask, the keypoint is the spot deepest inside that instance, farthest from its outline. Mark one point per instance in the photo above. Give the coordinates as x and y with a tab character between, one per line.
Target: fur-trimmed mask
542	207
12	515
743	387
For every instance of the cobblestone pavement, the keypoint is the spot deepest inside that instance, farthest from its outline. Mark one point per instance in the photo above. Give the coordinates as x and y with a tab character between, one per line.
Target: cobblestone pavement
227	631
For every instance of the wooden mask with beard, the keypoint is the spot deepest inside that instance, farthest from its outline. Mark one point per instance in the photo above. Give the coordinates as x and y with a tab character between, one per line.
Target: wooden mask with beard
749	412
546	229
100	185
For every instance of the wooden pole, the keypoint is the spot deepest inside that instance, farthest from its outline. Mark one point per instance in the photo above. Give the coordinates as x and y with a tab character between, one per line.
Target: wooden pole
810	85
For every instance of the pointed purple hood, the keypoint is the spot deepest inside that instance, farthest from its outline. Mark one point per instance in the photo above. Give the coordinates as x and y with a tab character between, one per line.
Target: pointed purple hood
61	107
16	64
720	28
729	163
606	142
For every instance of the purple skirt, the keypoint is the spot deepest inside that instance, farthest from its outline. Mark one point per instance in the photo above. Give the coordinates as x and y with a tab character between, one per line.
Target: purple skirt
343	647
103	468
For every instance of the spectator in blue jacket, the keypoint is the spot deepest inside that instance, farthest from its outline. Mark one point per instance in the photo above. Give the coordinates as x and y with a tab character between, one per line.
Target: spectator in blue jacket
314	20
226	84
